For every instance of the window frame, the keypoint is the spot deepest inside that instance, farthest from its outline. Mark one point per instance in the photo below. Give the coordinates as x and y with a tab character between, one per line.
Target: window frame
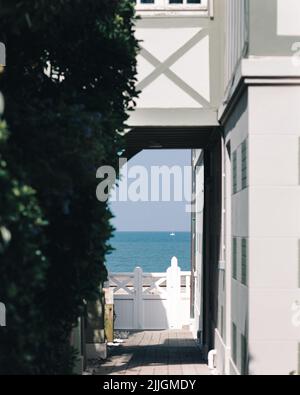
163	5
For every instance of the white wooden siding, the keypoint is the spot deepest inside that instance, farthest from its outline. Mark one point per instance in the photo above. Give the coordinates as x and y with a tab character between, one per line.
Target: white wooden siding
236	26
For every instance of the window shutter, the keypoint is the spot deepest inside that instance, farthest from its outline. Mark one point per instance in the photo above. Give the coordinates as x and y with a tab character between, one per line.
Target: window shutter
234	258
244	164
244	261
244	355
234	343
234	172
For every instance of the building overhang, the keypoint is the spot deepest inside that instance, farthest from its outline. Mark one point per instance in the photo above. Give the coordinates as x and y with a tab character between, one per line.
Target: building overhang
258	71
140	138
173	117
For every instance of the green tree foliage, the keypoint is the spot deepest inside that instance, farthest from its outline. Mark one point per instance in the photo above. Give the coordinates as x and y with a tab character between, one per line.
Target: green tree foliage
68	85
23	269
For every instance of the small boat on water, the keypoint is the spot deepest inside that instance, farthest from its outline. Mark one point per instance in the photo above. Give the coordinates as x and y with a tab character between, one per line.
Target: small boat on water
172	234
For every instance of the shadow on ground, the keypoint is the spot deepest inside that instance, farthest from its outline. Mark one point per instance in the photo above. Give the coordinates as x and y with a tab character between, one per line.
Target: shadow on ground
153	353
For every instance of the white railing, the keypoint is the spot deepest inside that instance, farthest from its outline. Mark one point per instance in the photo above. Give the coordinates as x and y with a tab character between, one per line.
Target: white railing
151	300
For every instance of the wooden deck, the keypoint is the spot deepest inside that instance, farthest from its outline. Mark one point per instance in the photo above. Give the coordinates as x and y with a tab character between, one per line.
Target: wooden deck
169	352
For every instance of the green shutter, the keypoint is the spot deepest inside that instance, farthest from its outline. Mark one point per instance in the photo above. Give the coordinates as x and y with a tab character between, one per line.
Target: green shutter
244	262
244	355
234	258
234	343
244	165
234	172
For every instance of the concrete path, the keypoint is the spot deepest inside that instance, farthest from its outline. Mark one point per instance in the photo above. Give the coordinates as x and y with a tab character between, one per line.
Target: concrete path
155	353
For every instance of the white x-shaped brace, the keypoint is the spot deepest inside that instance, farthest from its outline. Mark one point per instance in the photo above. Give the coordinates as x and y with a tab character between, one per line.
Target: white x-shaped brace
155	285
121	285
164	68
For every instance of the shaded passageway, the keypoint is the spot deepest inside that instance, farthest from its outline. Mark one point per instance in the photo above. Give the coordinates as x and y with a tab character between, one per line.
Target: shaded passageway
168	352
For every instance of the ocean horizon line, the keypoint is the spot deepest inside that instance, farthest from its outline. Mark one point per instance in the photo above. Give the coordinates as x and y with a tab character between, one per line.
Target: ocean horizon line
152	231
151	250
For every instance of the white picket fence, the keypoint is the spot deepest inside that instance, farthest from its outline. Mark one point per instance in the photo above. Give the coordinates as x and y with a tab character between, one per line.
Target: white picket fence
151	301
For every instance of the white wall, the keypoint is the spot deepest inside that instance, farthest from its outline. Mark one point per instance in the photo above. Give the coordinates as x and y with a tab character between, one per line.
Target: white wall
267	214
288	17
236	132
274	122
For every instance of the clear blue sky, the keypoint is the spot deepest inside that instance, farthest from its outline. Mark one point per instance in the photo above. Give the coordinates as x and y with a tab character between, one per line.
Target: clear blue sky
154	216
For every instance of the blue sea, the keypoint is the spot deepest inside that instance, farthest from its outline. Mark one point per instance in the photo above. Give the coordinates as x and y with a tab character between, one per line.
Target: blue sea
152	251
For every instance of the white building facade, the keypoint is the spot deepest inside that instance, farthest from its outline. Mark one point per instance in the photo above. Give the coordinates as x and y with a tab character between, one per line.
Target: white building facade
222	77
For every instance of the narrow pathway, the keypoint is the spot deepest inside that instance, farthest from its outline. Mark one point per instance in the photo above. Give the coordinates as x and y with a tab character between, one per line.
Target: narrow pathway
169	352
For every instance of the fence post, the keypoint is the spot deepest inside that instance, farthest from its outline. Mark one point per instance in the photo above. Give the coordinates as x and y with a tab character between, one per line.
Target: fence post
173	292
138	295
109	314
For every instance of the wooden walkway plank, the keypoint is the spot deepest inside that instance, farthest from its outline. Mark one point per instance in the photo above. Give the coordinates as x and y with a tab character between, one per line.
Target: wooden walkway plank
168	352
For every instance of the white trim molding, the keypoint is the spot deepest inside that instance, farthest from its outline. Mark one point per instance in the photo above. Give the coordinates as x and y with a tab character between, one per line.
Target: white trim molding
283	70
283	66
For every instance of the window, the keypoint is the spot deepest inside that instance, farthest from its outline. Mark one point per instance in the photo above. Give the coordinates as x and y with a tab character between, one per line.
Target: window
175	5
234	258
234	343
244	165
244	262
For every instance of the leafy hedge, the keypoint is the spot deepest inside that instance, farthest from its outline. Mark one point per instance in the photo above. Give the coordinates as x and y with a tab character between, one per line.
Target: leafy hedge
64	124
23	268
